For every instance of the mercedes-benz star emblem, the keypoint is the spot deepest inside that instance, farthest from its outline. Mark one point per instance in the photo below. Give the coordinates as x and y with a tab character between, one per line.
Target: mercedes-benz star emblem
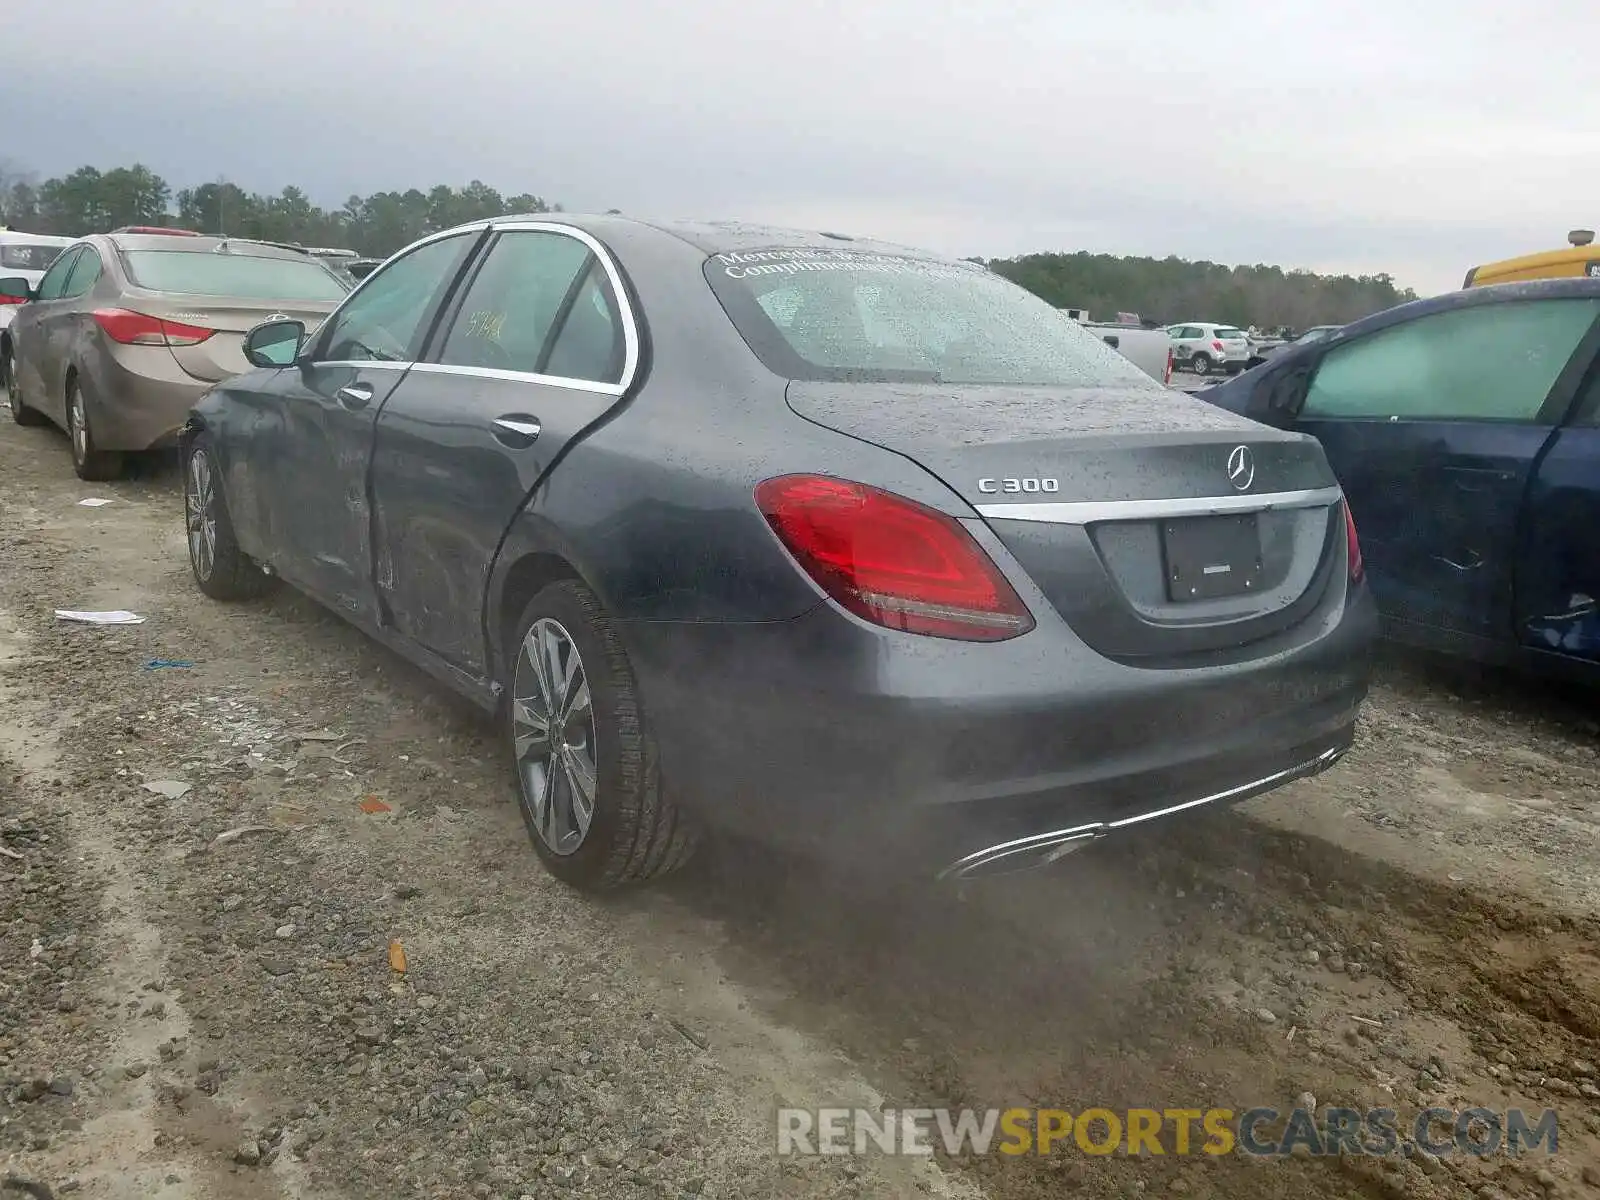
1241	468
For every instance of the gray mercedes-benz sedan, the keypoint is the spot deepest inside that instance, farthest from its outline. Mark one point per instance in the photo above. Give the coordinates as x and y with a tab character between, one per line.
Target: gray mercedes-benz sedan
823	540
126	329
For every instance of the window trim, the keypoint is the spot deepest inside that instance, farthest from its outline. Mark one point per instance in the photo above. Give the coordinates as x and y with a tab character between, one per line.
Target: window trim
430	317
631	339
99	273
1553	410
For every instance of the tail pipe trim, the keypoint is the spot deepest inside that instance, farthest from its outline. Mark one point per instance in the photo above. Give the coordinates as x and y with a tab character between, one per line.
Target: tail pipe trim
1042	849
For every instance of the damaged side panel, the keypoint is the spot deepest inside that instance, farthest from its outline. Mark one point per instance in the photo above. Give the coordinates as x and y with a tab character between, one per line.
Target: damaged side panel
1558	569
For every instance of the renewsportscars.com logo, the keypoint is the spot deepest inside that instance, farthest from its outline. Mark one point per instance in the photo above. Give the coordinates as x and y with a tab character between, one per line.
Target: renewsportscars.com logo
1262	1132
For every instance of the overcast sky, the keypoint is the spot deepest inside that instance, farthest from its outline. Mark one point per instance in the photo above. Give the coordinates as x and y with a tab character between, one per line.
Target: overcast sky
1417	137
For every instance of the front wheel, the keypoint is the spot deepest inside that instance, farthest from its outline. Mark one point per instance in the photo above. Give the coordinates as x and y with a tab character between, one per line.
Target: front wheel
20	412
221	570
585	769
88	461
1200	364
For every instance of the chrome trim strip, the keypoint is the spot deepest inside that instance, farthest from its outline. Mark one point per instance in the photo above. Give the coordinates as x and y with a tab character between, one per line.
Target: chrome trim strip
578	385
1099	829
366	364
1087	512
630	326
1326	759
631	338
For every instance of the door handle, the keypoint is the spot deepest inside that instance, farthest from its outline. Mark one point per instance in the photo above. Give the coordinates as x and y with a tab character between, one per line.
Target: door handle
355	395
517	430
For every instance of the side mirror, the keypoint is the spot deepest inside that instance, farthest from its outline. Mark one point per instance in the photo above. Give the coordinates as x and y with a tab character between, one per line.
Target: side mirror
1113	341
274	343
16	289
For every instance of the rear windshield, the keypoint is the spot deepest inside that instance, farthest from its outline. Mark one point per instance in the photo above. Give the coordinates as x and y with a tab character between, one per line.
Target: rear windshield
244	275
848	315
1227	334
28	256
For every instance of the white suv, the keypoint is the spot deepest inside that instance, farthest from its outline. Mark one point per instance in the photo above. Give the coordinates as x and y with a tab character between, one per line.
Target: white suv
1203	347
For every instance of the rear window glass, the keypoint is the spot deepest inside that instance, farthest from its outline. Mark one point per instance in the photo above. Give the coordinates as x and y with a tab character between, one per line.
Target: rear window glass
28	256
855	316
1228	335
244	275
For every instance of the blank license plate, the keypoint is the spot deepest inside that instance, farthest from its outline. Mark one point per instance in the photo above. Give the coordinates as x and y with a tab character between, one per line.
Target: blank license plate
1207	558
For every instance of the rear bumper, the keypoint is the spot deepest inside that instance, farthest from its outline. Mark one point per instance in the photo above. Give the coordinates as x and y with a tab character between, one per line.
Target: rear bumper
138	397
829	735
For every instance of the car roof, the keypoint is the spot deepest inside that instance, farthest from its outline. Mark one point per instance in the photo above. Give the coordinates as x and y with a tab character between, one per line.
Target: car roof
732	237
203	244
723	237
1568	288
34	239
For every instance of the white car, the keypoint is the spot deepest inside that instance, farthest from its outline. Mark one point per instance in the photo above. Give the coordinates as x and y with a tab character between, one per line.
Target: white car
1204	347
27	255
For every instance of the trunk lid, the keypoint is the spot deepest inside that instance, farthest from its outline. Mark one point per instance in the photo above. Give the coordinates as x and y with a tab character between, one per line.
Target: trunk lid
221	355
1103	495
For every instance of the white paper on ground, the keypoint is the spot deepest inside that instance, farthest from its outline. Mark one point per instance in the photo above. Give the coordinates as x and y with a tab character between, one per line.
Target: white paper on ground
92	502
115	617
172	789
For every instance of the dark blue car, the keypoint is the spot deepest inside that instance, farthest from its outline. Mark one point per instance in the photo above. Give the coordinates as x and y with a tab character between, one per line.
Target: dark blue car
1465	430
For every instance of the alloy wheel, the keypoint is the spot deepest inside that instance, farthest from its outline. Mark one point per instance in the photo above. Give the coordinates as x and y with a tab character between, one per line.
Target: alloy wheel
200	517
78	426
554	728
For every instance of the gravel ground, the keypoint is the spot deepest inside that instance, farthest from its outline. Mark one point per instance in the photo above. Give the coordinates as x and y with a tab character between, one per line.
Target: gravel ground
208	871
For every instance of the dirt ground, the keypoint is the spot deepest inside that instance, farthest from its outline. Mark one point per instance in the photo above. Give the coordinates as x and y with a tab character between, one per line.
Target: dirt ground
188	1010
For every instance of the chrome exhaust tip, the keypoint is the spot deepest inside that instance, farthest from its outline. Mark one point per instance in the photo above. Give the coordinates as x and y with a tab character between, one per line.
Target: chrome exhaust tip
1023	854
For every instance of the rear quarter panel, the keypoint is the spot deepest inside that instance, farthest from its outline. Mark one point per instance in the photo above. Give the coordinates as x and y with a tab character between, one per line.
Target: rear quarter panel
654	508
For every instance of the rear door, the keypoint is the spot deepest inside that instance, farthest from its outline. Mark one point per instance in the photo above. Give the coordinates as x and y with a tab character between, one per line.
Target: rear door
311	446
1434	427
540	345
1558	569
38	375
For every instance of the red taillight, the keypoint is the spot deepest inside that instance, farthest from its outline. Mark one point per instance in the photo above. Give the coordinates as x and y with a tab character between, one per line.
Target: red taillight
1352	546
13	300
1216	345
1167	378
892	561
136	329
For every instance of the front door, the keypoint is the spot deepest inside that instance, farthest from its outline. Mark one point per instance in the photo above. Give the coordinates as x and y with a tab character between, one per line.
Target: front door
1434	427
538	348
38	377
310	457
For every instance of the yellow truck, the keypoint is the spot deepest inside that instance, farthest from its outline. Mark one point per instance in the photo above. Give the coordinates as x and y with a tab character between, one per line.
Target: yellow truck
1581	257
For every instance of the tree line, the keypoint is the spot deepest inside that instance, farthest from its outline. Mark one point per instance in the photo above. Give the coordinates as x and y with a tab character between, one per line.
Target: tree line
1173	289
93	201
1170	289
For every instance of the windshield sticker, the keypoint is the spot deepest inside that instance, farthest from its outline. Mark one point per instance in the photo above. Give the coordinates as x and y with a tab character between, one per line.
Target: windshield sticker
794	262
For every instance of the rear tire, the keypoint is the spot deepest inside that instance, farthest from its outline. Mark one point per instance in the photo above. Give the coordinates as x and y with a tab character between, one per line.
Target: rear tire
221	570
20	412
577	737
1200	364
89	462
